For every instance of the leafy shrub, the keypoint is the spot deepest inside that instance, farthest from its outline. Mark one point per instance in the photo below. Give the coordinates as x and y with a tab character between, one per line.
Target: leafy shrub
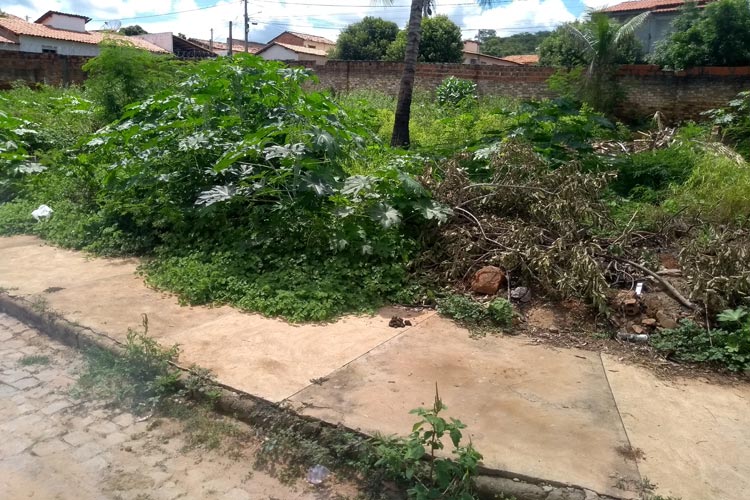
559	129
17	139
728	346
462	309
465	310
444	478
500	312
456	91
122	74
647	174
237	182
296	287
734	122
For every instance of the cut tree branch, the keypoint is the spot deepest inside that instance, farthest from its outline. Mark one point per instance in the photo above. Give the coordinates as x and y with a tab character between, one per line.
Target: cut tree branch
672	290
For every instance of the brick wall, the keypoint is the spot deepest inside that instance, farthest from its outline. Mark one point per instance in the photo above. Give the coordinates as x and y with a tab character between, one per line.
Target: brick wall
290	39
678	94
647	89
514	81
52	69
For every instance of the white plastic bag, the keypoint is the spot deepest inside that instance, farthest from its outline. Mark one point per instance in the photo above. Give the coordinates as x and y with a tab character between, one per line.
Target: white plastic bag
43	212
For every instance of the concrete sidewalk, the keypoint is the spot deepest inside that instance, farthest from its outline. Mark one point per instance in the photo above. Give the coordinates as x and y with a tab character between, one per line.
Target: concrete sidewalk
562	415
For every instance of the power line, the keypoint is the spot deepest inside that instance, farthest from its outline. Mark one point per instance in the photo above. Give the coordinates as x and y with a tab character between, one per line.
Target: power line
339	27
311	4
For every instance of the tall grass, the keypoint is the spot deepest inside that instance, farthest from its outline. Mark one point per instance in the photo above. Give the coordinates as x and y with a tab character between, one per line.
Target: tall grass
434	128
718	188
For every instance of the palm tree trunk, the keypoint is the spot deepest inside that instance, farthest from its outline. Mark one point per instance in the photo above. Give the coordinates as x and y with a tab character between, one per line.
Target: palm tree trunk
400	137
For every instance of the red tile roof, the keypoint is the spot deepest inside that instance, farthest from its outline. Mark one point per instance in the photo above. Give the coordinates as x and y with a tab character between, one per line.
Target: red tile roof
18	26
650	5
299	49
309	38
525	59
50	12
207	43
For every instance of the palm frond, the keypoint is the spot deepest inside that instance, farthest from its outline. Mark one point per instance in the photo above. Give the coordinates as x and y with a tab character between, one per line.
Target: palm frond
586	40
629	27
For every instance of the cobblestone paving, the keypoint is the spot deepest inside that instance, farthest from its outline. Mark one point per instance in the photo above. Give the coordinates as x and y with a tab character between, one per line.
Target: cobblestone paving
53	446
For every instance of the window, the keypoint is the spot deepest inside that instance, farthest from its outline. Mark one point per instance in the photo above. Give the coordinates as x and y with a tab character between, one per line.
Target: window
312	46
49	49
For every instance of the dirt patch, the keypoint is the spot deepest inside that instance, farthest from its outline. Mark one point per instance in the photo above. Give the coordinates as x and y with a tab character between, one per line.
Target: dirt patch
570	324
631	453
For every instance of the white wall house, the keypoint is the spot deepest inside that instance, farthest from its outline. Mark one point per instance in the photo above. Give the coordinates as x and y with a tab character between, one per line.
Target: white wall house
284	52
59	33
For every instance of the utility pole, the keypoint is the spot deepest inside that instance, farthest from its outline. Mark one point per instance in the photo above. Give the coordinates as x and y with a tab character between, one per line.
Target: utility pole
211	41
229	53
247	26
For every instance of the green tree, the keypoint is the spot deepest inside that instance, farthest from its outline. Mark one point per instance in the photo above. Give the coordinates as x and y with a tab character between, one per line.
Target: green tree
520	43
604	45
122	74
441	42
367	40
562	49
419	8
717	36
570	45
485	34
132	30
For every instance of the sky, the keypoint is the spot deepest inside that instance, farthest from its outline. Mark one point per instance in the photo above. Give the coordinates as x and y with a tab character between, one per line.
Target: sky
327	18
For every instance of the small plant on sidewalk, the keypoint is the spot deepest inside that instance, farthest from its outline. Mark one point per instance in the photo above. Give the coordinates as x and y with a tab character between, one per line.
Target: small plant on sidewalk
141	378
436	477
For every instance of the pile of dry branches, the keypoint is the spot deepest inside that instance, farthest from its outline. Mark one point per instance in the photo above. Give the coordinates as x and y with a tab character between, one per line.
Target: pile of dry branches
546	226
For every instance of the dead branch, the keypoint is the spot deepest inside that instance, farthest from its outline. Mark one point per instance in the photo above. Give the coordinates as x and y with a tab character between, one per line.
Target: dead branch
672	290
510	186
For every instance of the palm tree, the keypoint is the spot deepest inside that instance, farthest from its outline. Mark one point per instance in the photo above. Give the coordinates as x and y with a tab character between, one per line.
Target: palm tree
603	43
419	9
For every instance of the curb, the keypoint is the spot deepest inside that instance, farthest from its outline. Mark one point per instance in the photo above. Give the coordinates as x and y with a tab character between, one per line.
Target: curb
492	484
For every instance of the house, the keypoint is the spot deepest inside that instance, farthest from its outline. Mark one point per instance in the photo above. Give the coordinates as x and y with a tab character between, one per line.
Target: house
252	47
59	33
473	56
218	48
304	40
180	47
276	51
524	59
657	26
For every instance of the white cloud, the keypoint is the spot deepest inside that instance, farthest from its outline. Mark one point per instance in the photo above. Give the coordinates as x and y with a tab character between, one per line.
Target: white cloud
598	4
274	16
516	17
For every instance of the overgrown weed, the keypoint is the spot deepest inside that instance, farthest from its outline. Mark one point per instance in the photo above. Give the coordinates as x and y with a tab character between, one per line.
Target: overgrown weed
34	359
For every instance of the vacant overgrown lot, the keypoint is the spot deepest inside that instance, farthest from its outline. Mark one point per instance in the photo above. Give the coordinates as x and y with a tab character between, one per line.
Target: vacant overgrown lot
238	185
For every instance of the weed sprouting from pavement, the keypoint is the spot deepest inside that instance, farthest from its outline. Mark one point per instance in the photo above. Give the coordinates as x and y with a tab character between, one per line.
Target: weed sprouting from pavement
34	359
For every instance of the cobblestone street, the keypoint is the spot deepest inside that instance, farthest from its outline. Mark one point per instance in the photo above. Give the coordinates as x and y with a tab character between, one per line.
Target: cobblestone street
57	447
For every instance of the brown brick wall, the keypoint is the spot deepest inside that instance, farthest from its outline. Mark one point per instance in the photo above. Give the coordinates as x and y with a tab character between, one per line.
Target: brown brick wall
51	69
290	39
647	89
678	94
